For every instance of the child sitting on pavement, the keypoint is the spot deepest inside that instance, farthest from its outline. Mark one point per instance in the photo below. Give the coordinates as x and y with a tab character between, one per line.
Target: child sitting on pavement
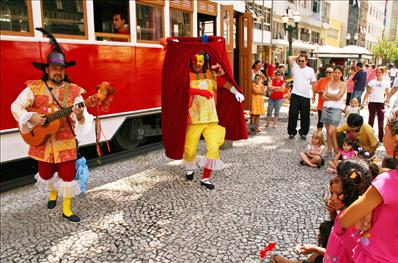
353	108
344	154
313	156
316	251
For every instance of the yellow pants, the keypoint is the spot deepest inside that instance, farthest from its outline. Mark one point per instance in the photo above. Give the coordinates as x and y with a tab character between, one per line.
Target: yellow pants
214	135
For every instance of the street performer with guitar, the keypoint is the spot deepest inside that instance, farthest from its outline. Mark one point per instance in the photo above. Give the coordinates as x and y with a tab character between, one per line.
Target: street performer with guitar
58	151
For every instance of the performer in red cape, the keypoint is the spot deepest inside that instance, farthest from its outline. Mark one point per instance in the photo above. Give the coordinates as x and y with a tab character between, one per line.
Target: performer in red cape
192	106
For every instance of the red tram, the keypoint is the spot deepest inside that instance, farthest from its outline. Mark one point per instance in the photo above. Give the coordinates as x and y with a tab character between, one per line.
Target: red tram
132	62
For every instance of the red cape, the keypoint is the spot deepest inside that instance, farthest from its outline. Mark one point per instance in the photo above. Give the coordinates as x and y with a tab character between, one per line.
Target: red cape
175	92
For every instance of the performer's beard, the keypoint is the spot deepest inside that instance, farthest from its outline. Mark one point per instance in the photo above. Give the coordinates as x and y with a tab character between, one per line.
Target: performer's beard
57	79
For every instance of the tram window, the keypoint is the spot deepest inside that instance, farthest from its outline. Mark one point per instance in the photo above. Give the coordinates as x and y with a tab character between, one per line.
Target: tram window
180	23
65	17
149	22
111	20
16	17
206	25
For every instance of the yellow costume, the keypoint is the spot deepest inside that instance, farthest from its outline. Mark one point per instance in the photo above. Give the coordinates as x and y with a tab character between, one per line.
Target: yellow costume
203	120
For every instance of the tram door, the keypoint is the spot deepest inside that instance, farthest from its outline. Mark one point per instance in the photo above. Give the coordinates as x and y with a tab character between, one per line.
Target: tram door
245	39
227	31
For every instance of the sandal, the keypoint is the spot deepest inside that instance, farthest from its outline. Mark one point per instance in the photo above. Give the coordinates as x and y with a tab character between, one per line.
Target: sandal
257	130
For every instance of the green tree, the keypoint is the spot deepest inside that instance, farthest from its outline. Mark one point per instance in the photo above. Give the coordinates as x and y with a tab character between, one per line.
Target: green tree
386	50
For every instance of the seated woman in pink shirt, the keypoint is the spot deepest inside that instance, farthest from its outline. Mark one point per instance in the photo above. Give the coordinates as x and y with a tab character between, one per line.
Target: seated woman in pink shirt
376	212
355	175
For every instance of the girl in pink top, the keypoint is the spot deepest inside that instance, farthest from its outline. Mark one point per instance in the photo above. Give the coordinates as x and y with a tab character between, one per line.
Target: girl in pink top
350	86
346	153
376	212
354	177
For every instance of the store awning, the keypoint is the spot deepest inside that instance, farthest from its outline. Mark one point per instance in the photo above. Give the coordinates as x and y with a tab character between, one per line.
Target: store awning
345	52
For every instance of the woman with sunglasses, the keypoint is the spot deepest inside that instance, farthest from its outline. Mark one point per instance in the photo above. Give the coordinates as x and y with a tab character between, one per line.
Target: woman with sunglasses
376	212
333	107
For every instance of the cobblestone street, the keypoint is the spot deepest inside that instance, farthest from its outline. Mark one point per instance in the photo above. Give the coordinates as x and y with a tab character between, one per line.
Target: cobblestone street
143	210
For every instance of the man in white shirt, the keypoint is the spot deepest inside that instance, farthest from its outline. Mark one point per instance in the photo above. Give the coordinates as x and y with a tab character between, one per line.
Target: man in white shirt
300	100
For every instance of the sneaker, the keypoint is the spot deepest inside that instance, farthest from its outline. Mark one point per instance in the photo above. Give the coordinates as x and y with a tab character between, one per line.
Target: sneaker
189	175
207	184
291	136
303	137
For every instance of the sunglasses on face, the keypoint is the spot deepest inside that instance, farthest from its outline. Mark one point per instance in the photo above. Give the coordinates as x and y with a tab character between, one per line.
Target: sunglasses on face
329	72
301	61
278	74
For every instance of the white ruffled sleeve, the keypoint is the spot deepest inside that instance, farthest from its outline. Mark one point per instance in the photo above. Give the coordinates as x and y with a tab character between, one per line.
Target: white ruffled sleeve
18	108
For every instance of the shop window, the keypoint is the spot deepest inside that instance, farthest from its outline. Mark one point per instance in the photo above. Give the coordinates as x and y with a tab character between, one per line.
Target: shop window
149	22
64	17
304	35
111	20
180	23
315	37
16	17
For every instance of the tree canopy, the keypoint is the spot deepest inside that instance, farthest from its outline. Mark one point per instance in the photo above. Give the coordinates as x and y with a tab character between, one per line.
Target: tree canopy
386	50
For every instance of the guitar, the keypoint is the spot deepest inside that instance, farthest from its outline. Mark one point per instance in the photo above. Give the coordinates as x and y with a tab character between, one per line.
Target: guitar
40	134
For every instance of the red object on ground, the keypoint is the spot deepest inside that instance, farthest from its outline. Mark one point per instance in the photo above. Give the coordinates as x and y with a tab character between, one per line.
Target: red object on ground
267	249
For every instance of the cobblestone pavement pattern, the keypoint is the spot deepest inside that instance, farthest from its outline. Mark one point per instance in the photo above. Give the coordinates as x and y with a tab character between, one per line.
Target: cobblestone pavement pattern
143	210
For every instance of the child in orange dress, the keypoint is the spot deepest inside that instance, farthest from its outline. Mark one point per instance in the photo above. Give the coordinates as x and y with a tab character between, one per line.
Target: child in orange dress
257	107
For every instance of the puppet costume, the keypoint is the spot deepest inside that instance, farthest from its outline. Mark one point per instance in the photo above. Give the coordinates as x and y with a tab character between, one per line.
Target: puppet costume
192	106
203	120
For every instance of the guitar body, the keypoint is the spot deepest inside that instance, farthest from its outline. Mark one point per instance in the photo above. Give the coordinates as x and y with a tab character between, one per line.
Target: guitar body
55	120
40	134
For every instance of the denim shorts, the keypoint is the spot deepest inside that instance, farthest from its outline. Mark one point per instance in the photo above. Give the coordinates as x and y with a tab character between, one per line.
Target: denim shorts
331	116
274	104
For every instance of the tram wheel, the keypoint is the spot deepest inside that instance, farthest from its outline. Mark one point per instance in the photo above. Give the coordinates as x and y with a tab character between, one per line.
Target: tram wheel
130	135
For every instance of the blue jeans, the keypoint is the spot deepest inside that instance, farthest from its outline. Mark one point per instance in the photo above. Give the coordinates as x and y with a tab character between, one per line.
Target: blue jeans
358	95
274	104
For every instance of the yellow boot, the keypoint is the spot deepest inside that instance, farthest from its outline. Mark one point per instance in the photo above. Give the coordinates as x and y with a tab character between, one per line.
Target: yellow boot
68	213
52	200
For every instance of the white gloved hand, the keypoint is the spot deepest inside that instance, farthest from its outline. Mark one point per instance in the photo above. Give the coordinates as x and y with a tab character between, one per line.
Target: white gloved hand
239	96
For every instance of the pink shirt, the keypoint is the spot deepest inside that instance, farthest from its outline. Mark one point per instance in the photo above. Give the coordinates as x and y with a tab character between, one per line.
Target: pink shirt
371	74
382	245
347	154
350	83
340	244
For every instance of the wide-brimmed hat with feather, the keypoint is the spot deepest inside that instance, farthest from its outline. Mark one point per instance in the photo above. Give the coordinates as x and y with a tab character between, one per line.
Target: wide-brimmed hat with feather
56	57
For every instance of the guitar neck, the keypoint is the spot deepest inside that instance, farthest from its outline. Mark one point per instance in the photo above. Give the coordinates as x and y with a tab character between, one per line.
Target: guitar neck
62	112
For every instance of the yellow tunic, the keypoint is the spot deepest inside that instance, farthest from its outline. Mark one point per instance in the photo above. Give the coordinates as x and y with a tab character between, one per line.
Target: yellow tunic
61	146
202	109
